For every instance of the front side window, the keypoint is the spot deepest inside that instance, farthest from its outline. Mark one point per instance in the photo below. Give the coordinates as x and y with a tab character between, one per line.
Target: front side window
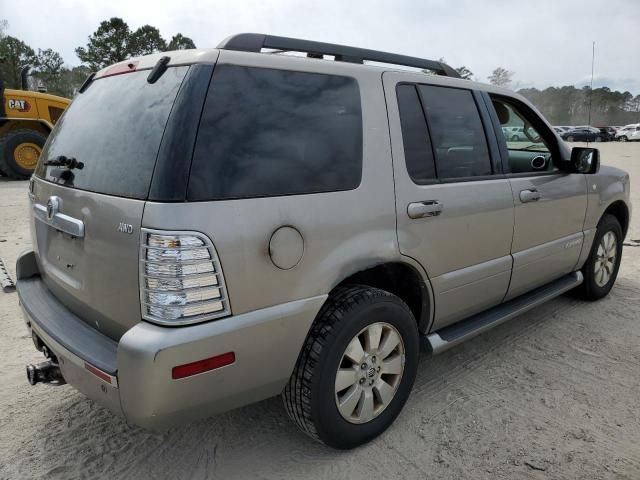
528	150
268	132
457	133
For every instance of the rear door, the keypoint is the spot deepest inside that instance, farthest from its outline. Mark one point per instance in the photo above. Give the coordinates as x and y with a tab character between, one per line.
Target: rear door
454	208
86	221
550	205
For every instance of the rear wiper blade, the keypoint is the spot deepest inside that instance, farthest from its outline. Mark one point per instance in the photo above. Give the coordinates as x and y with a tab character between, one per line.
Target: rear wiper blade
67	162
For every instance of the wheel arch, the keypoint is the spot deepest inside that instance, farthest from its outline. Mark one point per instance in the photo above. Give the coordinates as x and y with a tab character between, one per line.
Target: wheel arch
9	124
619	210
402	279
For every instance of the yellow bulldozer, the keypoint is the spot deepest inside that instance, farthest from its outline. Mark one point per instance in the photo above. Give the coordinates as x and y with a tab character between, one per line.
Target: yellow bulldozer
26	119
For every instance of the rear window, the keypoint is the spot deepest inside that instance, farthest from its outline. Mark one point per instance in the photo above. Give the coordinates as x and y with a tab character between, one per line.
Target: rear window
456	132
114	128
418	153
268	132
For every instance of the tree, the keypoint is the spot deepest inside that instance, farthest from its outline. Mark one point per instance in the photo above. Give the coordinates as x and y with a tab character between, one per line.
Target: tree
48	66
464	72
501	77
4	26
180	42
114	42
110	43
15	54
146	40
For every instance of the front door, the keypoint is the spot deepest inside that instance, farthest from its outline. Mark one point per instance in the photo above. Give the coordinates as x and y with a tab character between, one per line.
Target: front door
454	208
550	205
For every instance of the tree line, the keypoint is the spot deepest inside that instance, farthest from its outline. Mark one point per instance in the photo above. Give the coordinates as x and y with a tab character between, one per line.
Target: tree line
114	41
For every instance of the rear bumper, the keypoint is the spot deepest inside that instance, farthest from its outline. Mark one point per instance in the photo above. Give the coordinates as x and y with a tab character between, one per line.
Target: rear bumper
138	385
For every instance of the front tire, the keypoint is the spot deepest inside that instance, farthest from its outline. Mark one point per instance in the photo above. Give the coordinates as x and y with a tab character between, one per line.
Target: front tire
19	152
623	138
601	268
356	368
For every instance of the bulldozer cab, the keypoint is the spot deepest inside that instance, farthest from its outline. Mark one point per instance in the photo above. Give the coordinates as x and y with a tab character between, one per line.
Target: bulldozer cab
26	119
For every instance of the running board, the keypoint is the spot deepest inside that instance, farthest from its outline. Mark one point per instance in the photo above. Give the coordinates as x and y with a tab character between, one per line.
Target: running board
457	333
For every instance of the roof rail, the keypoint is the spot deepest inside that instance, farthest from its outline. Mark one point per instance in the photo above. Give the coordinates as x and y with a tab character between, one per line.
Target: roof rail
255	42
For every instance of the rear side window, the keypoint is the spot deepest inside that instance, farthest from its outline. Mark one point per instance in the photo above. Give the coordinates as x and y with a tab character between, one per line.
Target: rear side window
415	135
114	128
457	133
268	132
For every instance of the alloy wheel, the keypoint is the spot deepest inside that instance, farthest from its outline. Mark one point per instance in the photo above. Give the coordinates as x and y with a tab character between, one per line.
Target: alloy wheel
369	373
605	259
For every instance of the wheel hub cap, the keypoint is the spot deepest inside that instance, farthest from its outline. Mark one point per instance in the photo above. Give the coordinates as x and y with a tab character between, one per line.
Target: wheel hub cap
369	373
605	259
26	155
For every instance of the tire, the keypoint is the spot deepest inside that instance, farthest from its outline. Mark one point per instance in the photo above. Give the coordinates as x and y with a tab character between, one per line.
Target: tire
592	287
515	138
623	138
569	138
310	397
29	141
598	139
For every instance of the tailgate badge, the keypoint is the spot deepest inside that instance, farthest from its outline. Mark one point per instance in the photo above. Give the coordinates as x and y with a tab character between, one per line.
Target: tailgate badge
125	228
53	206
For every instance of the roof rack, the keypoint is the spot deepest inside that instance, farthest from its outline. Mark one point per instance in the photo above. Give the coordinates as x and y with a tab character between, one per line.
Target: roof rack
255	42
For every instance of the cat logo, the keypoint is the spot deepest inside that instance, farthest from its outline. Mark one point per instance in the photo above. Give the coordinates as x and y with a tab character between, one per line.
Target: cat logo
19	105
125	228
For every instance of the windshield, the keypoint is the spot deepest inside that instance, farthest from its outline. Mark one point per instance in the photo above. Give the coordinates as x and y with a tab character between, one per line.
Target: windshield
114	130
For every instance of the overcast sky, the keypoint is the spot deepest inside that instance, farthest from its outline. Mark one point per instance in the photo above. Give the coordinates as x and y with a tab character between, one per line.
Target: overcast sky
545	42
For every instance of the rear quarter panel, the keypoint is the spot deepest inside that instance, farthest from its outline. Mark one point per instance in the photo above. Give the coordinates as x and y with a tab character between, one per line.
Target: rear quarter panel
343	232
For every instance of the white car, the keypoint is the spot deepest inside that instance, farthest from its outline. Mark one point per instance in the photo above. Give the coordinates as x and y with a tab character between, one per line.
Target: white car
628	133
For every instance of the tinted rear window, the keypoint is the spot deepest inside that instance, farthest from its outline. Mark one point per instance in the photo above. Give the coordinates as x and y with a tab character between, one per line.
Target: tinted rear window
271	132
418	154
456	131
114	128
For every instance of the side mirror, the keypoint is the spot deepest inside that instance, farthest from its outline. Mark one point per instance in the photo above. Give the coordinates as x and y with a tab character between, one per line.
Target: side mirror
584	160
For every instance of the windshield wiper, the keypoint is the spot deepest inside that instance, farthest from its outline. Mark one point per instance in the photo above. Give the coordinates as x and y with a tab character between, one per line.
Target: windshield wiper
67	162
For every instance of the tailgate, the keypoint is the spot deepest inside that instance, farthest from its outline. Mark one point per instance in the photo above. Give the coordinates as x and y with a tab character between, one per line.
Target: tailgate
88	253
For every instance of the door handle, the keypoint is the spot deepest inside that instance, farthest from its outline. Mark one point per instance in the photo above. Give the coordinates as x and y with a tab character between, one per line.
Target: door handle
531	195
428	208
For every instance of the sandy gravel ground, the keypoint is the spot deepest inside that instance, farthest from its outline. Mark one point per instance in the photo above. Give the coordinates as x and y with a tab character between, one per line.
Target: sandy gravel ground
552	394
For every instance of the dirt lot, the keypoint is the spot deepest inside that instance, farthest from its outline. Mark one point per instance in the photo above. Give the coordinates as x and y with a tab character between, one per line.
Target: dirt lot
552	394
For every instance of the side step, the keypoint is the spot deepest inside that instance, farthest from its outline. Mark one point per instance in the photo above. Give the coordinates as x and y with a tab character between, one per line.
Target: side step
457	333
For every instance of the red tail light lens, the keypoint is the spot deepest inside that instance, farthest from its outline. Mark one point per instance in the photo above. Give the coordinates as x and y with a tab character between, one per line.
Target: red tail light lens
202	366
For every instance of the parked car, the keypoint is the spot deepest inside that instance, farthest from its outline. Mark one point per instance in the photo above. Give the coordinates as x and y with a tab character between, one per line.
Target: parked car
584	134
272	238
514	134
628	133
608	133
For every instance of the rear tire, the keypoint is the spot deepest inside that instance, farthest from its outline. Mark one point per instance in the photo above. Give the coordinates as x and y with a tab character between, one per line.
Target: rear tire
569	138
601	270
19	151
315	397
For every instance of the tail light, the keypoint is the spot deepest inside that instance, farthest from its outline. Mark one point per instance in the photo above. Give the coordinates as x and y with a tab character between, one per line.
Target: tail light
181	281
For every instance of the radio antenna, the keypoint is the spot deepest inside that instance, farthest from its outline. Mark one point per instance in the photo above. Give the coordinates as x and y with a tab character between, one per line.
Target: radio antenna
593	58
